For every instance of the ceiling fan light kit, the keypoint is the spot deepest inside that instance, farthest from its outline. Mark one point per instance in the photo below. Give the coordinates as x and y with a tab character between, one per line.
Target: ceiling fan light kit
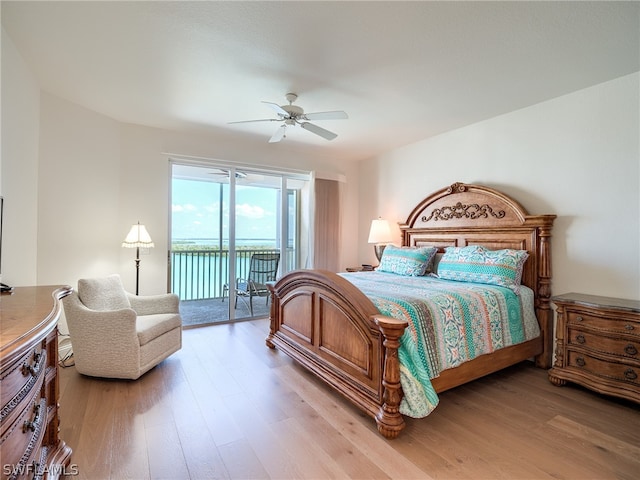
292	115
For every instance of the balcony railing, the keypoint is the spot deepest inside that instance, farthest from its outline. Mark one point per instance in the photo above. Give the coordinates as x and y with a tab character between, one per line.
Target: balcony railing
202	274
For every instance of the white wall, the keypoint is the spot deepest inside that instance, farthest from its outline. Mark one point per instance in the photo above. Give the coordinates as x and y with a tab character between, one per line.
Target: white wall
576	156
19	167
79	193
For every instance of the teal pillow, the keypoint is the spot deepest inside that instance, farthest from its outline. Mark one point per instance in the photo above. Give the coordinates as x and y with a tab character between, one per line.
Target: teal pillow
480	265
409	261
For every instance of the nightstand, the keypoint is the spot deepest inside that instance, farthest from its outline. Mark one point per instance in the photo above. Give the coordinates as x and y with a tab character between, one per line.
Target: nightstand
361	268
598	344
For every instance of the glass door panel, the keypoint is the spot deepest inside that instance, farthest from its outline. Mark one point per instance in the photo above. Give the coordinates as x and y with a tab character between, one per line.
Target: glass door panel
223	217
257	240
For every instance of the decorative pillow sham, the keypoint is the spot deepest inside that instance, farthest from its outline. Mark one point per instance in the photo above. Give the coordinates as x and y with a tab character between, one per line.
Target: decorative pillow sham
480	265
409	261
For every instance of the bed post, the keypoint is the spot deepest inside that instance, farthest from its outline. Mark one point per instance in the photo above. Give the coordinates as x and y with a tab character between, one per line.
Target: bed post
543	309
389	420
272	315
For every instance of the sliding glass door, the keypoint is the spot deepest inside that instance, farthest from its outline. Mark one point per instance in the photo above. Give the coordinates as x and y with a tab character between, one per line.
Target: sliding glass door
232	230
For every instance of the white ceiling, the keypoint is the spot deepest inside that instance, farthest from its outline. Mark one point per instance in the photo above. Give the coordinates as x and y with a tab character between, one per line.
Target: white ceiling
403	71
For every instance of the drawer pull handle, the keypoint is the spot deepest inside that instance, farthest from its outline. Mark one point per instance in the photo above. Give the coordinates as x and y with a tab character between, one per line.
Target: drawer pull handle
580	338
629	374
579	318
31	425
580	361
630	350
628	327
35	368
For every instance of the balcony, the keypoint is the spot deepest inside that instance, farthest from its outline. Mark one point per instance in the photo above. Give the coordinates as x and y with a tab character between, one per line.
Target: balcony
198	277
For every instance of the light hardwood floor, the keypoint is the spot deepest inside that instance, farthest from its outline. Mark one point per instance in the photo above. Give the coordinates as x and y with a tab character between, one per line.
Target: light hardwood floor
226	406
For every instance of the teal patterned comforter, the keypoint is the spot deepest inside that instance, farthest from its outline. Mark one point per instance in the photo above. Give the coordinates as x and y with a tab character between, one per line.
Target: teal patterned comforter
449	323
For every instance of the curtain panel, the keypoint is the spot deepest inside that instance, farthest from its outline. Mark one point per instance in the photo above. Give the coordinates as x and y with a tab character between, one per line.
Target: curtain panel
328	208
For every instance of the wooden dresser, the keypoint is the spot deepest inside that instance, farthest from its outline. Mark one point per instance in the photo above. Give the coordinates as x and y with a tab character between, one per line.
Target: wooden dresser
598	344
30	446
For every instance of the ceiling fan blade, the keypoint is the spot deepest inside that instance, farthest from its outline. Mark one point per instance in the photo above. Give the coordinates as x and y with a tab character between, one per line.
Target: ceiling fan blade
335	115
279	135
261	120
318	130
278	109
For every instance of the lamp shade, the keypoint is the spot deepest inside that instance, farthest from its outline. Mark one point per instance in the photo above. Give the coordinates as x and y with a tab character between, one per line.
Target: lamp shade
138	237
380	232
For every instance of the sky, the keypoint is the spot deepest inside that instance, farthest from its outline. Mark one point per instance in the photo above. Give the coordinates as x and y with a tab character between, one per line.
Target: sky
196	211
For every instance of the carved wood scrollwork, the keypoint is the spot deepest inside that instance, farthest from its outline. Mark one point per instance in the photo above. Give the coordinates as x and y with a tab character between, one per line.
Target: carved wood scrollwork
472	211
457	187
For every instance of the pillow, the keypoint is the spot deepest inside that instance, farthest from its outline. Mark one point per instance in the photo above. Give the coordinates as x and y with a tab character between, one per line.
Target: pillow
103	293
481	265
409	261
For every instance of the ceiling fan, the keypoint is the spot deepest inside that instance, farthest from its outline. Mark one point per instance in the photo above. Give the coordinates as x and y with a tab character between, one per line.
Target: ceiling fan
292	115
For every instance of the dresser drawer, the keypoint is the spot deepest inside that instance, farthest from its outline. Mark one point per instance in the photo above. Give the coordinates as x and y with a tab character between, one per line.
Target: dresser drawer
619	372
627	347
21	440
602	322
19	380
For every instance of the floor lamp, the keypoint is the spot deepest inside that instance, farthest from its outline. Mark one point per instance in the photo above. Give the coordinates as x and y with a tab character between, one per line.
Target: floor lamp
138	238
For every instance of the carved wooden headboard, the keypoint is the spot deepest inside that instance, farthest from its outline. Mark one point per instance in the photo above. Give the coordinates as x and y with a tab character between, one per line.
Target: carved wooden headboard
463	214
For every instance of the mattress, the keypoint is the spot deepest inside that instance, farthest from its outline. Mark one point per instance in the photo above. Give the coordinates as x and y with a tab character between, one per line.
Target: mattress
450	322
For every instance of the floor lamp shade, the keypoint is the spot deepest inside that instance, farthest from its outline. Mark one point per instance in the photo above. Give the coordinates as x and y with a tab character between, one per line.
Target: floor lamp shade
138	238
380	235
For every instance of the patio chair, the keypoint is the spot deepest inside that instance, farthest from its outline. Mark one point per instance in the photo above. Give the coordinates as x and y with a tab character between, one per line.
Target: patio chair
263	268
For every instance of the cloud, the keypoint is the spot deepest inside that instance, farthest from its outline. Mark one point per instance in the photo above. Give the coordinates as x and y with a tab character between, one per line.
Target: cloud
250	211
212	207
187	207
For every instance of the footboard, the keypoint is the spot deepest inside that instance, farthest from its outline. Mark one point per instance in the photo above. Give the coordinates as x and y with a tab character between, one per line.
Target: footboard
331	328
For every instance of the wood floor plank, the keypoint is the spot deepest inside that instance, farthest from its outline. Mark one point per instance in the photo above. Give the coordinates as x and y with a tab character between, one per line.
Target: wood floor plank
616	458
301	445
166	457
631	451
241	461
201	455
330	441
129	456
375	448
542	458
262	439
97	431
463	453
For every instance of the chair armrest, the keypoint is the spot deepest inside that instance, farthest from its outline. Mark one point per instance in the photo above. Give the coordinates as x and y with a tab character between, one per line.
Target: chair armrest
152	304
95	323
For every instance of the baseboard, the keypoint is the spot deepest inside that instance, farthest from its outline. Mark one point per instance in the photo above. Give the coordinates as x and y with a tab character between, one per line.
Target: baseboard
64	347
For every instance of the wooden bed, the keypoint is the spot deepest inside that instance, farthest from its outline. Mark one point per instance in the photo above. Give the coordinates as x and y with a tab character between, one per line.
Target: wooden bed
324	322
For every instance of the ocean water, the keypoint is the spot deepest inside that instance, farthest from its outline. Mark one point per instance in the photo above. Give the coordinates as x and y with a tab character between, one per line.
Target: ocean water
215	242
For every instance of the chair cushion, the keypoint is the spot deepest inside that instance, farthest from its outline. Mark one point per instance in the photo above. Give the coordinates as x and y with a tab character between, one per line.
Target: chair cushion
153	326
103	294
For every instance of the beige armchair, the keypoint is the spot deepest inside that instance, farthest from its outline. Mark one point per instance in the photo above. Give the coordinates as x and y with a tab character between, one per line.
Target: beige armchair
116	334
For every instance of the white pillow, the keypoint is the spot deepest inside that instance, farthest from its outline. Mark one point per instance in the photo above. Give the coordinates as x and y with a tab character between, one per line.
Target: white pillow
103	293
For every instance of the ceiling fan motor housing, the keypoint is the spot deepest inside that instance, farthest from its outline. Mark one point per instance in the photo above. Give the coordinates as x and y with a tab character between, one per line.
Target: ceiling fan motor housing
293	110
